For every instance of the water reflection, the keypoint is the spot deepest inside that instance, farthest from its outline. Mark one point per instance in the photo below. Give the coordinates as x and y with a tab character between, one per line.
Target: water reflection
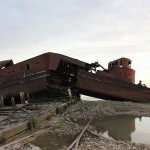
127	128
142	133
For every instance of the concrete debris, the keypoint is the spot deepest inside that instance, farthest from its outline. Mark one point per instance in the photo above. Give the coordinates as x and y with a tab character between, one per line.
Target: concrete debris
24	145
10	116
97	144
64	124
88	109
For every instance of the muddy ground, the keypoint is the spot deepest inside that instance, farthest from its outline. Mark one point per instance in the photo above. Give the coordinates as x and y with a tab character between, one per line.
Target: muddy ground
61	130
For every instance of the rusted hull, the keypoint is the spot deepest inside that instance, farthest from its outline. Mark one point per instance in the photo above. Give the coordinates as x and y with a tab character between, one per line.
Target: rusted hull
29	84
47	72
105	87
50	72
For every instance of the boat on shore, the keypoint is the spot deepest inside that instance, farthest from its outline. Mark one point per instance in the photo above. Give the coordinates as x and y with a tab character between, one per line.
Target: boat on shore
51	73
115	83
45	74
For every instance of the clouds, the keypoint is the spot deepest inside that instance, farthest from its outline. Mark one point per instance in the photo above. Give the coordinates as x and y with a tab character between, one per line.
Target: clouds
39	20
27	22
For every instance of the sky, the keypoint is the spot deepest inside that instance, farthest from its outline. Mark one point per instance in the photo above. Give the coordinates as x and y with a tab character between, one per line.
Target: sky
88	30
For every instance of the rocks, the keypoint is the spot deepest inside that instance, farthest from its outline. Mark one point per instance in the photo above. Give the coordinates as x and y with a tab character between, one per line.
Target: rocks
88	109
64	124
24	145
97	144
61	126
106	108
22	113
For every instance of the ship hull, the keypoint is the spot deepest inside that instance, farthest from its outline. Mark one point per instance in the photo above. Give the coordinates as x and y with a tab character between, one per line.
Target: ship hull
107	87
34	83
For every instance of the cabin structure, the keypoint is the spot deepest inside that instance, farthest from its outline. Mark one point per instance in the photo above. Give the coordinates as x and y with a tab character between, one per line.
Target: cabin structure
122	67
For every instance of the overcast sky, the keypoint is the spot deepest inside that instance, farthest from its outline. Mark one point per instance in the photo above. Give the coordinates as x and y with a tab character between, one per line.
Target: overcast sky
89	30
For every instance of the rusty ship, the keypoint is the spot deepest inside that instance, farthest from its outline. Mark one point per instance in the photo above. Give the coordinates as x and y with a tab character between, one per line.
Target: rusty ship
51	72
44	74
115	83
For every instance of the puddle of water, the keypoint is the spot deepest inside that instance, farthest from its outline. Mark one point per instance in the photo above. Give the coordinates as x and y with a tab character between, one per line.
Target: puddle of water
49	141
126	128
142	133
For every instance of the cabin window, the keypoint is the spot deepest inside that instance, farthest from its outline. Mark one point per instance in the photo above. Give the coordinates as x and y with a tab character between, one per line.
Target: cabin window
129	63
116	63
121	62
28	67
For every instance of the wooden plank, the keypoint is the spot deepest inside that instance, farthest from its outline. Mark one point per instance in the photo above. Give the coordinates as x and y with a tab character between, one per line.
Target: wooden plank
6	134
76	141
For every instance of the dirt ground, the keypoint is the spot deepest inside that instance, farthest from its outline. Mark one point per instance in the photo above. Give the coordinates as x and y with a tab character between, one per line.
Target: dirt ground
61	130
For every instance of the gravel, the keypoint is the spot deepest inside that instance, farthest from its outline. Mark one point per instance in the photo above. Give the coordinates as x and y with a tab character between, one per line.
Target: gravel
106	108
63	124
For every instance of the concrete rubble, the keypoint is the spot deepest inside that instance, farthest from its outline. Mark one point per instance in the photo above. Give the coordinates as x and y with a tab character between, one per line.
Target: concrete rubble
21	146
10	116
106	108
96	144
64	124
